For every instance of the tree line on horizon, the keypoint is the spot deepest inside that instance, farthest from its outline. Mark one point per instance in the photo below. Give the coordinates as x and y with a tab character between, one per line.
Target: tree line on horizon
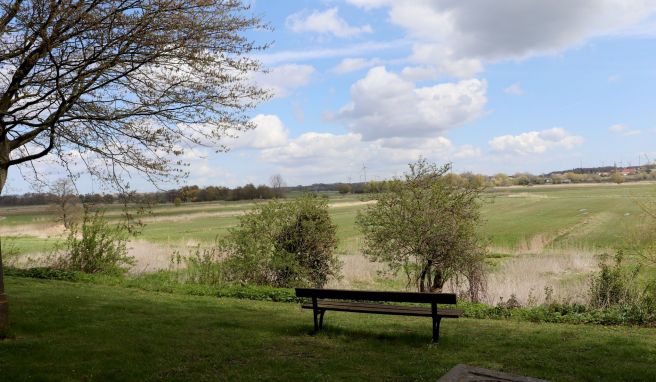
277	189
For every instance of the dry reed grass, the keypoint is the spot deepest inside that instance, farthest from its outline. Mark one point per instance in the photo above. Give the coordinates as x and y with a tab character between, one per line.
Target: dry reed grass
527	276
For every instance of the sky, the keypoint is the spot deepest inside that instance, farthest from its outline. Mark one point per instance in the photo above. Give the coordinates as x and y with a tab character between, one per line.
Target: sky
361	88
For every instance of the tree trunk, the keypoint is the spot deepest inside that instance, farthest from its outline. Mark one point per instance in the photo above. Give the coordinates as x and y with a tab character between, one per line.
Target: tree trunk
422	279
4	305
438	282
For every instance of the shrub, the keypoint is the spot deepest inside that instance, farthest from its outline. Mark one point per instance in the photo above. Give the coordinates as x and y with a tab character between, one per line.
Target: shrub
615	284
202	266
283	244
95	246
46	273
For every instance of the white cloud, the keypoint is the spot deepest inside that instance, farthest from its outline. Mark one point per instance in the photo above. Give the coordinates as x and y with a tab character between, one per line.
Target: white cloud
450	32
618	128
623	130
432	61
383	104
283	80
514	89
312	147
467	151
348	65
335	156
613	78
536	142
315	54
269	132
326	22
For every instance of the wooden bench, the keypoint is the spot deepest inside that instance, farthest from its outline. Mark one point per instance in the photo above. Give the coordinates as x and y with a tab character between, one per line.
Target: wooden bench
360	301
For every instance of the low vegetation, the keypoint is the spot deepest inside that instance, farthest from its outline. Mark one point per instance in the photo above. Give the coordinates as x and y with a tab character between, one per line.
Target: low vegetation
95	246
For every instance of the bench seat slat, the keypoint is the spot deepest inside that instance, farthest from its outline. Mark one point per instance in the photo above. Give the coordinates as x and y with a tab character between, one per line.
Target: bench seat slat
358	307
366	295
441	312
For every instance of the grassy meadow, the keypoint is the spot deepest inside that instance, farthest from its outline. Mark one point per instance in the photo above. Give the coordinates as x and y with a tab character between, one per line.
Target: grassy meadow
539	237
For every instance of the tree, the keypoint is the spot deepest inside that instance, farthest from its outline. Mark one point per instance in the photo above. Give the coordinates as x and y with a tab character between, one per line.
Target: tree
121	85
277	183
67	206
617	177
344	188
427	225
501	180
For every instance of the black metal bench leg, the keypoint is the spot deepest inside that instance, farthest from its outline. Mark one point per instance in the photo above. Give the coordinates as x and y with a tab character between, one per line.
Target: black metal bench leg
315	311
321	318
436	328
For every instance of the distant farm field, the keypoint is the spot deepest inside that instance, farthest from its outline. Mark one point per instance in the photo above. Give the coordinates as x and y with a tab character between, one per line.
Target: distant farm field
598	216
546	236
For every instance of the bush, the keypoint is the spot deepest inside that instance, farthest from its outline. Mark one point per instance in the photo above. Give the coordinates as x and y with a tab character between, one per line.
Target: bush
46	274
615	284
283	244
202	266
95	246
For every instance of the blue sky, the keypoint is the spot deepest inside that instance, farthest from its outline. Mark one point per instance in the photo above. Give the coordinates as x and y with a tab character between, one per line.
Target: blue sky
503	86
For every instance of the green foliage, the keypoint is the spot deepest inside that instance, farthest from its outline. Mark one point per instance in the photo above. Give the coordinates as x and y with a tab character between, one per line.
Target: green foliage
204	265
344	188
570	313
284	244
615	284
47	274
427	224
95	246
617	177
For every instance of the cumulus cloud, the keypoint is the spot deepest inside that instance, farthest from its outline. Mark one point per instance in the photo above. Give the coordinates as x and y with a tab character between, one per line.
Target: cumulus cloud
535	142
623	130
269	132
514	89
326	22
334	154
282	80
348	65
384	104
506	29
312	147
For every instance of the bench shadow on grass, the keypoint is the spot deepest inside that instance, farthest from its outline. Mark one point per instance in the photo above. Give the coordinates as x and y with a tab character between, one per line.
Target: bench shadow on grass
393	335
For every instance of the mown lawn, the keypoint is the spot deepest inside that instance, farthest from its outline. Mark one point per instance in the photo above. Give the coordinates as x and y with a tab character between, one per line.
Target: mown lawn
77	331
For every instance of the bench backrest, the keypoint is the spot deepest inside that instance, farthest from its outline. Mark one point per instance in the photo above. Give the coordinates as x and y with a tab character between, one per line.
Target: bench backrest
367	295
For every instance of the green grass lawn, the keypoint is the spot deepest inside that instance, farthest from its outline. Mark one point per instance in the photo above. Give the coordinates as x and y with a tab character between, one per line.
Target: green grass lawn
77	331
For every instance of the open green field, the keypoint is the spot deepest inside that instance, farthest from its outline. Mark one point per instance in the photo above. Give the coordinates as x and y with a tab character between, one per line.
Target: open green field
82	332
590	217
